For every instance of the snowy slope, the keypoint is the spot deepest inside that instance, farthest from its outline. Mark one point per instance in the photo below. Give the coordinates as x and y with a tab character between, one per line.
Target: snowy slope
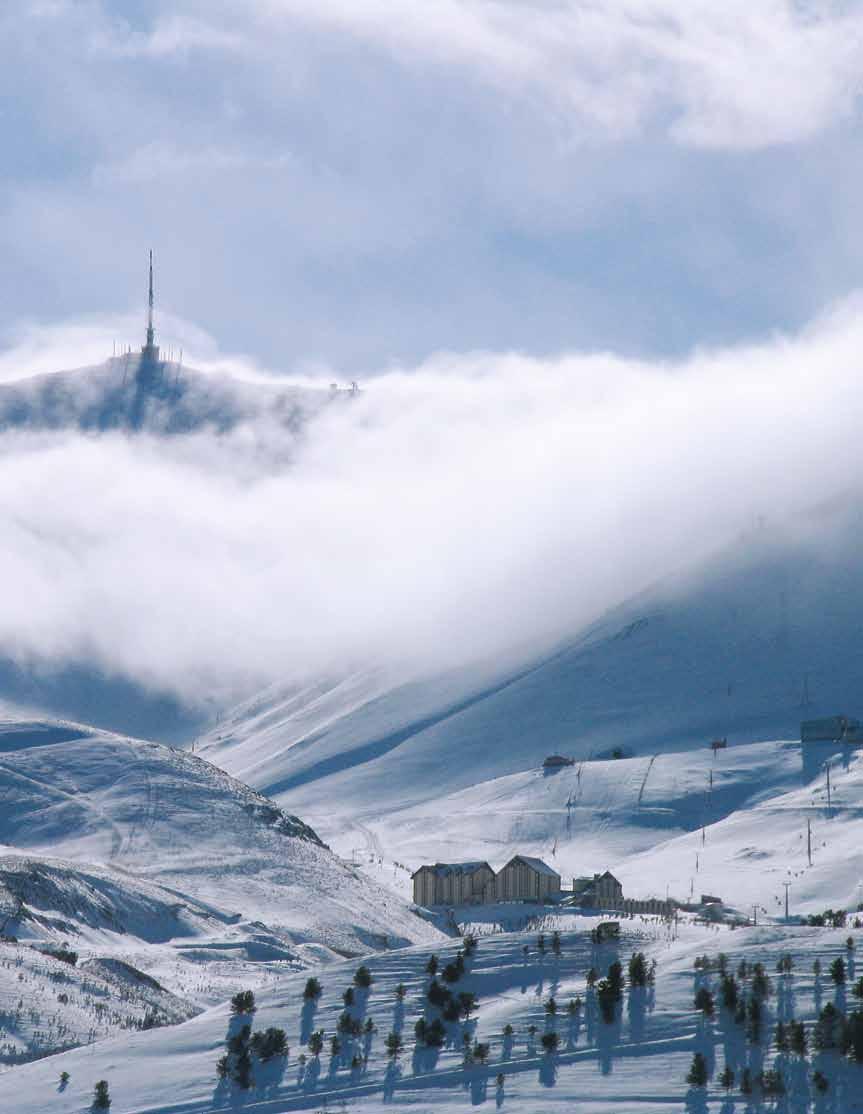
735	651
142	859
637	1063
110	396
169	817
685	824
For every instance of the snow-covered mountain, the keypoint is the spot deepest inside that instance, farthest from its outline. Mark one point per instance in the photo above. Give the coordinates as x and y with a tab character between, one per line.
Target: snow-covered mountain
762	637
637	1062
130	852
169	399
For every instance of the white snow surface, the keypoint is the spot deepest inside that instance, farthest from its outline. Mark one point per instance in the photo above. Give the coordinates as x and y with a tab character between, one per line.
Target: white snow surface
638	1063
135	852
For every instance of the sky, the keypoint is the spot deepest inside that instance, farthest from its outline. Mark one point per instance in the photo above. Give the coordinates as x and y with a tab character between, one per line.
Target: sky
337	186
595	265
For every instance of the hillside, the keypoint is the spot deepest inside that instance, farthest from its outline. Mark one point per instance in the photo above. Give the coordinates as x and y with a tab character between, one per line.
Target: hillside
132	852
762	636
637	1062
175	400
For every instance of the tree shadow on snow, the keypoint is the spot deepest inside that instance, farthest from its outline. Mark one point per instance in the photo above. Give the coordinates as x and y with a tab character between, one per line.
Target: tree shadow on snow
637	1010
607	1039
391	1078
307	1019
312	1073
548	1070
478	1088
399	1017
696	1101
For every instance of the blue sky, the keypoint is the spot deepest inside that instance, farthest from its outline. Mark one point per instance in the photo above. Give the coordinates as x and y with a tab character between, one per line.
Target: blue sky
351	184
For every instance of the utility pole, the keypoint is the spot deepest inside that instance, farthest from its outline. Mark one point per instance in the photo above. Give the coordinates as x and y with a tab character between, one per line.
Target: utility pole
755	914
787	886
827	765
809	839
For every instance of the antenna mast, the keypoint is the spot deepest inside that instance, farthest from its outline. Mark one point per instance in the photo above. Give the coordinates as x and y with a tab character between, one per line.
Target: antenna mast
150	337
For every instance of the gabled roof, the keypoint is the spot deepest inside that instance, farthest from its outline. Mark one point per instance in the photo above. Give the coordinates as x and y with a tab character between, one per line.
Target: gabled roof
442	870
607	874
536	864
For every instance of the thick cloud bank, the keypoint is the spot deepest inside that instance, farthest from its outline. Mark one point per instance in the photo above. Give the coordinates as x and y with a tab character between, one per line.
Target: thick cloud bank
450	511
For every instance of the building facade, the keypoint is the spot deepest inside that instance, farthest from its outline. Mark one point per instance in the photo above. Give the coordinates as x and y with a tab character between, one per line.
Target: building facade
454	884
602	891
526	879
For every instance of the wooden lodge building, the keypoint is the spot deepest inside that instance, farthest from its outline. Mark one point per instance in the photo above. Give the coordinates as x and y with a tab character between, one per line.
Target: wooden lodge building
522	879
454	884
602	891
526	879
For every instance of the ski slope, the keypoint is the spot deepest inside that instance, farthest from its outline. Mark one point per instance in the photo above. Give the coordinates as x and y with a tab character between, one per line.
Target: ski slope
137	854
449	769
637	1063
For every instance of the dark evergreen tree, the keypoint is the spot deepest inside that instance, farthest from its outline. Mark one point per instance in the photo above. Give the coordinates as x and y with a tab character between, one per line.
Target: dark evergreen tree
828	1029
797	1037
480	1052
432	966
243	1002
697	1074
316	1042
438	995
363	977
607	998
101	1098
728	991
704	1001
854	1036
760	981
638	971
549	1042
312	991
393	1045
837	970
267	1044
754	1014
435	1034
726	1079
467	1004
555	942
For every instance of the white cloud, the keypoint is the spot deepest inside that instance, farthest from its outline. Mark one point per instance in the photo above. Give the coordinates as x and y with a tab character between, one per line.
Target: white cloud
730	75
455	509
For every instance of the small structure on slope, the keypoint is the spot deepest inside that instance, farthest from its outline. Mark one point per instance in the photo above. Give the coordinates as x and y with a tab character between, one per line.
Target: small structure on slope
454	884
556	762
602	891
526	879
831	729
